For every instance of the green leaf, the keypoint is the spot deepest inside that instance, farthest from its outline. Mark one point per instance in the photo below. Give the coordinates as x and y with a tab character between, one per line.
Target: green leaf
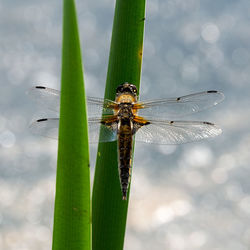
72	202
109	211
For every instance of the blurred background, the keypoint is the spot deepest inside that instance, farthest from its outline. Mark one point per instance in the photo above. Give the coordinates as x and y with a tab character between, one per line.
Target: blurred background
186	197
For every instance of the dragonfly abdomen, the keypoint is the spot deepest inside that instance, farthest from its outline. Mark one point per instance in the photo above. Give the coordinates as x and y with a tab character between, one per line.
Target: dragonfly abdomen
125	158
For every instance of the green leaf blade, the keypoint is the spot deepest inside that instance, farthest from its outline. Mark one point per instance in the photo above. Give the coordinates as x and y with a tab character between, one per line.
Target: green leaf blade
109	211
72	202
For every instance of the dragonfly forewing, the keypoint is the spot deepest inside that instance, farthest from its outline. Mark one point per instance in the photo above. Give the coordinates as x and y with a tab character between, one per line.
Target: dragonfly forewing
179	106
50	98
47	97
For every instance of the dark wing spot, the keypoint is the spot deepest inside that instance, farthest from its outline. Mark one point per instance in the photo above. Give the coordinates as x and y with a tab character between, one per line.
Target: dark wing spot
212	91
42	120
171	122
40	87
178	99
208	123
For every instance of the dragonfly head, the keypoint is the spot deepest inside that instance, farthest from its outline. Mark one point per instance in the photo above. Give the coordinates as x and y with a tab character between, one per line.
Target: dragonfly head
127	88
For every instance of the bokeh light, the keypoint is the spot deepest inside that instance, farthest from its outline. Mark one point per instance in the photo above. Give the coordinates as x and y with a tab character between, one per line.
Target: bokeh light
210	32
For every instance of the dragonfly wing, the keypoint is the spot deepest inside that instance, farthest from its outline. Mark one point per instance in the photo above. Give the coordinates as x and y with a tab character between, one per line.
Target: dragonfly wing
101	133
50	98
179	106
98	106
175	132
48	127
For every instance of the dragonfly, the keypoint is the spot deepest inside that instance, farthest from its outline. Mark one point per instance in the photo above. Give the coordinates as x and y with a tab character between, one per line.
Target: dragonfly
127	119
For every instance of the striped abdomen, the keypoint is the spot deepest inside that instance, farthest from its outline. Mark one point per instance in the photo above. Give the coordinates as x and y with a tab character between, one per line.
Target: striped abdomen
125	156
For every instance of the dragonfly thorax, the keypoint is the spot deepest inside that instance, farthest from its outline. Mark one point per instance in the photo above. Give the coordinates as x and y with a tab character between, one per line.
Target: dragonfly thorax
125	111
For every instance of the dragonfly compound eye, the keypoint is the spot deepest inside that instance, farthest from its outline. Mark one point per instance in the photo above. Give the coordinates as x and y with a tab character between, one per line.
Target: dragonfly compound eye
119	89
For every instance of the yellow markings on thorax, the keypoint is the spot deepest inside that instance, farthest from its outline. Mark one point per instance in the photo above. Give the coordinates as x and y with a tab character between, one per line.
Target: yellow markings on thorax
140	120
136	107
125	98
